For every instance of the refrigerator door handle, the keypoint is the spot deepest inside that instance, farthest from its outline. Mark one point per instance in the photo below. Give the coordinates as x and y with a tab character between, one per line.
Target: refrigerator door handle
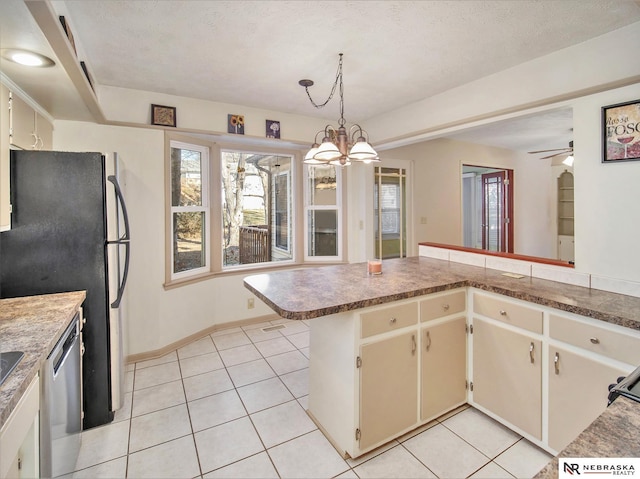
120	197
123	240
125	273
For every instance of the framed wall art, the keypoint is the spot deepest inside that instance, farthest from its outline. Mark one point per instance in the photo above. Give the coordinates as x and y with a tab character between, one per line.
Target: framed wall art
621	132
163	115
235	124
272	129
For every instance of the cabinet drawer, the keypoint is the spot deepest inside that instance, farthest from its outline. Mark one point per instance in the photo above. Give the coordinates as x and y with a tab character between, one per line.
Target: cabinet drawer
620	345
388	319
508	312
452	303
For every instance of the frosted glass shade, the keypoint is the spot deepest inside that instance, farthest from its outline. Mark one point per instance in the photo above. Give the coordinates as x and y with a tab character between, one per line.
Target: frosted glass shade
327	151
309	157
362	151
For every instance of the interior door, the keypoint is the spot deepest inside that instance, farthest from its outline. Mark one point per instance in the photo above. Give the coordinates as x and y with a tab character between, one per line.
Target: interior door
497	201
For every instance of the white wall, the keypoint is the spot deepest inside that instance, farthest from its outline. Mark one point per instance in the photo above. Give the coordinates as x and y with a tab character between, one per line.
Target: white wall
438	194
607	196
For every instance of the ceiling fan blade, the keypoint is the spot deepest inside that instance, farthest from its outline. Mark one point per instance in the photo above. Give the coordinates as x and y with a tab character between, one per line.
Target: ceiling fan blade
557	154
547	151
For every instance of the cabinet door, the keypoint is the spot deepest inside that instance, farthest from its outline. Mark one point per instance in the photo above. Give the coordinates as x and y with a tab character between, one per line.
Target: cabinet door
443	368
5	201
44	130
507	375
22	124
578	393
388	388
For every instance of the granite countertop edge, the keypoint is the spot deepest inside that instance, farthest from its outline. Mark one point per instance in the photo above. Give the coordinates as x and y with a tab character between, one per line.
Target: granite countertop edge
337	297
32	324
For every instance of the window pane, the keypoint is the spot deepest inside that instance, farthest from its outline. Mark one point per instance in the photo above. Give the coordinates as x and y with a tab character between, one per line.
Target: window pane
323	233
188	231
256	198
322	185
186	177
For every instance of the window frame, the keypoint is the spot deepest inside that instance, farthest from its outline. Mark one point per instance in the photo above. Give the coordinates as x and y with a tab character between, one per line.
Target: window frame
295	160
215	231
338	207
205	208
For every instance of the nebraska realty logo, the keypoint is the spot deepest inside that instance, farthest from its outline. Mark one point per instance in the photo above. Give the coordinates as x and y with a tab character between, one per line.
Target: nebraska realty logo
572	467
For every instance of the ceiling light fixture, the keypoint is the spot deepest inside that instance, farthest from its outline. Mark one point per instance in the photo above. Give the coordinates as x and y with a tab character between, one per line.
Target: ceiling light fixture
338	146
568	160
27	58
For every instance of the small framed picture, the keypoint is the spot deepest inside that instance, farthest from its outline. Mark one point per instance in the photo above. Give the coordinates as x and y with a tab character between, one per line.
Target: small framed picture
273	129
235	124
163	115
621	132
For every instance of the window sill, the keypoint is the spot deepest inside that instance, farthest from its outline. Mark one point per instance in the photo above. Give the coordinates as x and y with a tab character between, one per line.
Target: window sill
168	285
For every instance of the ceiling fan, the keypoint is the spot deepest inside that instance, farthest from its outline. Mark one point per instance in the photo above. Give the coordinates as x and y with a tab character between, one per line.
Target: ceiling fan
559	151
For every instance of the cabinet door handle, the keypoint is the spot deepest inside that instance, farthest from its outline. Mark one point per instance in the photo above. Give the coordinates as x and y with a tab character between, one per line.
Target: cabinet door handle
35	141
445	307
594	341
503	312
556	362
428	341
392	321
414	345
531	348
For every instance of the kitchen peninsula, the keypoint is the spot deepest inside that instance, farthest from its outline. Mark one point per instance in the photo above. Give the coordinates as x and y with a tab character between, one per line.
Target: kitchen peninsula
391	352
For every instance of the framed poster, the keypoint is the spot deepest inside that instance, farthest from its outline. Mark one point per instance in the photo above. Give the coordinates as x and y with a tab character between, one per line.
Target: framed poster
621	132
235	124
272	129
163	115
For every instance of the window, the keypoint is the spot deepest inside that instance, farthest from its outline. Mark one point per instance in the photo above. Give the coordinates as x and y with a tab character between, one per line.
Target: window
230	208
190	216
322	212
256	208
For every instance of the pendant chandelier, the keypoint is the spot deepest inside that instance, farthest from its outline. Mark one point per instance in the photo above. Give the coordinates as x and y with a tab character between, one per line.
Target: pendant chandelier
339	146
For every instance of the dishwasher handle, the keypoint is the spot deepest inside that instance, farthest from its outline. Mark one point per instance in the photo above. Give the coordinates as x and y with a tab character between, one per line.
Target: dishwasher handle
64	347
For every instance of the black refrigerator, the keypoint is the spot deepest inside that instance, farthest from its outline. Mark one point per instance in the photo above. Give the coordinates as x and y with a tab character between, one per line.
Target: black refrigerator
60	241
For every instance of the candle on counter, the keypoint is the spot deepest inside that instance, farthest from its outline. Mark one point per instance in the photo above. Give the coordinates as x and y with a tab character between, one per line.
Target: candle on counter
374	266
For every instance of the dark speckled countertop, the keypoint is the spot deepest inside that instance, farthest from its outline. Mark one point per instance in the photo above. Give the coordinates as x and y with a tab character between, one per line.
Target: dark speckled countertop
31	324
313	292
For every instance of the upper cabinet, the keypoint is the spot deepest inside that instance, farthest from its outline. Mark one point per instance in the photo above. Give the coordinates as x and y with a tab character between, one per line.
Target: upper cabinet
5	202
21	127
29	130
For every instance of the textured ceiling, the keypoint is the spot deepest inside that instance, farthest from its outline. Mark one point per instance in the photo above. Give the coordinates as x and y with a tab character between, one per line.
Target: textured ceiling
395	52
254	52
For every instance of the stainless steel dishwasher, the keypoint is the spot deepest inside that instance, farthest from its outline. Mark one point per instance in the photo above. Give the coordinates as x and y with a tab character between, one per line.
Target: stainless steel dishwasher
61	409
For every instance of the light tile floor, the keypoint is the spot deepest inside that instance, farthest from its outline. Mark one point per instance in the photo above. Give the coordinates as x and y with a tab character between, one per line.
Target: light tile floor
232	405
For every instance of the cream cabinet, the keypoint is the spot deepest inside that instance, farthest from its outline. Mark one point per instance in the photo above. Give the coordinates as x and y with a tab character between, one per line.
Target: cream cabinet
507	375
585	357
578	391
19	437
443	368
29	130
388	388
5	197
373	375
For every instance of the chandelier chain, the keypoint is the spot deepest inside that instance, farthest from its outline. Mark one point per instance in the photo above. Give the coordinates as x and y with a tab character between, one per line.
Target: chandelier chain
333	90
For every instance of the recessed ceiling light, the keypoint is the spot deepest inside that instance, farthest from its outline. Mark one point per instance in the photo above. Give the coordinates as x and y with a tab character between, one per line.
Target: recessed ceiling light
27	58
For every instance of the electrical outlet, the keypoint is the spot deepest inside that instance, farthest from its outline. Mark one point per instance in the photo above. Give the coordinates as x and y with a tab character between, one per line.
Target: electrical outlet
250	303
